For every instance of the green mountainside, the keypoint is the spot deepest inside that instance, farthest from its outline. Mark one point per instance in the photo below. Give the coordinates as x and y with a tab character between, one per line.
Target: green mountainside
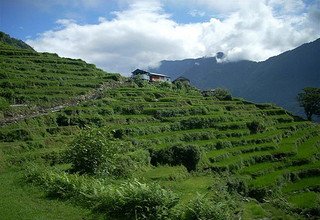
138	150
31	81
5	39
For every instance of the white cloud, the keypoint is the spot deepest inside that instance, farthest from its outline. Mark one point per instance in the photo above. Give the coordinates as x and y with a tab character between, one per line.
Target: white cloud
143	34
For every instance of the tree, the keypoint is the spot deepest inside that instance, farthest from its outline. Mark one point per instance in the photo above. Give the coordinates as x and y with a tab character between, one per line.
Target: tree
309	99
219	93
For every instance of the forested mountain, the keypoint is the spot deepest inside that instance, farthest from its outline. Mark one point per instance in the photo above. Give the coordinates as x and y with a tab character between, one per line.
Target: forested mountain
278	79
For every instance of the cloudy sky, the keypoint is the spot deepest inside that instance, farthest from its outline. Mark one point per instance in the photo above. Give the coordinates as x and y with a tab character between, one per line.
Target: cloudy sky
122	35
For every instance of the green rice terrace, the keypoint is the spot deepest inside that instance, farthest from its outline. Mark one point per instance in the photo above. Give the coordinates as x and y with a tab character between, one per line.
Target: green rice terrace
129	149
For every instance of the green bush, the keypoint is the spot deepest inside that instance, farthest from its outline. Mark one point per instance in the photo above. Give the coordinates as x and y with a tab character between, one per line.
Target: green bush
208	208
218	93
15	135
93	153
238	184
128	200
135	200
188	155
256	127
223	144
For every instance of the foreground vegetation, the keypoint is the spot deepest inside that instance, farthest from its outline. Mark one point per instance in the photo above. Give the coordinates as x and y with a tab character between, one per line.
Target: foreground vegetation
159	151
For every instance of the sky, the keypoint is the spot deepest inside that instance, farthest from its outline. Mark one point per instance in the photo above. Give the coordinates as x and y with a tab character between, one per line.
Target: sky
122	35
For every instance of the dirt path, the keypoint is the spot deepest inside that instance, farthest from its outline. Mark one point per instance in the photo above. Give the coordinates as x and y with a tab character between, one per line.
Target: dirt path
39	111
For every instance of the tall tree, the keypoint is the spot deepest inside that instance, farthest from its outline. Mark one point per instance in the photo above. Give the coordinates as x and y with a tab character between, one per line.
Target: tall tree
309	99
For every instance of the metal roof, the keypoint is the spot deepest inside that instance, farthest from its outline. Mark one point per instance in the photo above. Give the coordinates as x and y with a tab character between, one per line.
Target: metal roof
138	71
158	74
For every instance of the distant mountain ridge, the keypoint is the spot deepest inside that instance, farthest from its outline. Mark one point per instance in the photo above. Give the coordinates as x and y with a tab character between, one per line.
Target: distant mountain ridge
278	79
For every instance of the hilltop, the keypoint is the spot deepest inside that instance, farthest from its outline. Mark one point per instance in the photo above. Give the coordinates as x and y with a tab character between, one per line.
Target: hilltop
277	80
33	82
141	150
5	39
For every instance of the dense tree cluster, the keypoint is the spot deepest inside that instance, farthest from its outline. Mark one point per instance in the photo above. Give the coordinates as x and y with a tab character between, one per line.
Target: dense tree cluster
309	99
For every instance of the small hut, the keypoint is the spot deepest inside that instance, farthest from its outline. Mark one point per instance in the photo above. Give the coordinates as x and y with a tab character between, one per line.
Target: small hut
152	77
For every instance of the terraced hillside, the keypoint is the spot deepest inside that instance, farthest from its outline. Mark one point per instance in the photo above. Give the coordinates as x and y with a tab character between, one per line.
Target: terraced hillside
165	151
31	81
79	143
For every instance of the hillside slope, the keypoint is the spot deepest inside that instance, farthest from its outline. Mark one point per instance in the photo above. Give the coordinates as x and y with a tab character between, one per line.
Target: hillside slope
199	149
18	44
142	150
278	79
32	81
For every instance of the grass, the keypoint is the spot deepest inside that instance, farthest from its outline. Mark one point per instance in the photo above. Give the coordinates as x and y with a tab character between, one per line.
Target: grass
254	210
190	187
165	173
305	200
303	184
260	168
21	201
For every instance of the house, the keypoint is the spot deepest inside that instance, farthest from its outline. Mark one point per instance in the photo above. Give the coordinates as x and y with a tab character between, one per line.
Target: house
182	79
151	77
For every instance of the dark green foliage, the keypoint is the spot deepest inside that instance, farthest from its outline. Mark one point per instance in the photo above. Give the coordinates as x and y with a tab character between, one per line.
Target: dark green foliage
259	193
195	122
309	99
4	104
115	77
90	152
218	93
256	127
223	144
237	184
139	81
93	153
186	155
15	135
63	120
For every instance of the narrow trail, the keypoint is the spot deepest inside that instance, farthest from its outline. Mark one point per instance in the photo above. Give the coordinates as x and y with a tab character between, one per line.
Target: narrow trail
40	111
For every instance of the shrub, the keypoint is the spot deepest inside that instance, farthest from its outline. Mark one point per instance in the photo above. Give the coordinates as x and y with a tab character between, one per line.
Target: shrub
94	154
63	120
105	111
135	200
88	153
189	156
218	93
238	184
15	135
223	144
207	208
124	164
128	200
256	127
